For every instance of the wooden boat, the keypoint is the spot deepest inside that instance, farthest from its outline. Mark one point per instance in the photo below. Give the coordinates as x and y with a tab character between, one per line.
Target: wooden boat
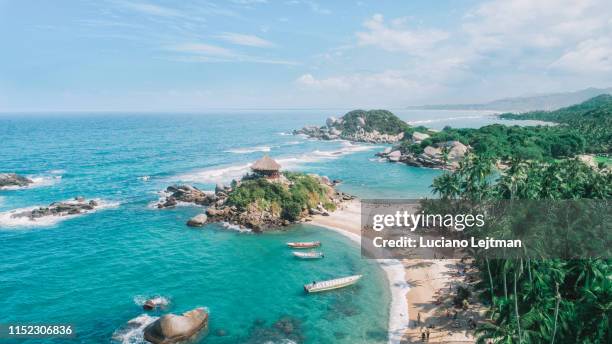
308	255
308	244
342	282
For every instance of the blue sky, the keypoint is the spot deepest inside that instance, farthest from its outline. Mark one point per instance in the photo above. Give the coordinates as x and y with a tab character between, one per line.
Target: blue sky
146	55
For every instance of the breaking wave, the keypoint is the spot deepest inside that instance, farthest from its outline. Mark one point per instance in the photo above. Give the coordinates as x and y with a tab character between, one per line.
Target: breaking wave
249	150
133	331
224	174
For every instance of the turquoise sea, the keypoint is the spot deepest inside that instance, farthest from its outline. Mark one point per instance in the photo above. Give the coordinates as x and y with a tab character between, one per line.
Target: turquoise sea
93	270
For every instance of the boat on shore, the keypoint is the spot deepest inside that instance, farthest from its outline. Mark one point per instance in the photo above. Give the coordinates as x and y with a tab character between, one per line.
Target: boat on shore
307	244
309	255
337	283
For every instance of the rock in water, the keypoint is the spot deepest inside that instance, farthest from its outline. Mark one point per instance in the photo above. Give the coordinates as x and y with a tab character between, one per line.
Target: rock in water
59	209
187	194
12	179
197	221
172	328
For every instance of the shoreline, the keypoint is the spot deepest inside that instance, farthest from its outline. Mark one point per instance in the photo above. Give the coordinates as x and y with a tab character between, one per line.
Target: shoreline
399	321
417	285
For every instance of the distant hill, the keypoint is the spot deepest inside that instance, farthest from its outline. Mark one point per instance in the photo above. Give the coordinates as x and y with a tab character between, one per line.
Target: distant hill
548	102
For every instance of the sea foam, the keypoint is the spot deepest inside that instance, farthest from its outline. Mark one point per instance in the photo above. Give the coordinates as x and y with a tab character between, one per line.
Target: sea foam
133	331
249	150
224	174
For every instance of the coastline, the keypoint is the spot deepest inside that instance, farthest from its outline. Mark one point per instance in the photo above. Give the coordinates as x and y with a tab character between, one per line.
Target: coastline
349	216
416	285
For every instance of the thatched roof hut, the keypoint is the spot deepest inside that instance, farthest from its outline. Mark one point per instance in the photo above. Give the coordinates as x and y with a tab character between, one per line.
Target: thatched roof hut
266	166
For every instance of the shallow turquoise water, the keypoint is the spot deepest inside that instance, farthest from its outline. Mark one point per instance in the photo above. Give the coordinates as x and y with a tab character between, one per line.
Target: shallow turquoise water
88	270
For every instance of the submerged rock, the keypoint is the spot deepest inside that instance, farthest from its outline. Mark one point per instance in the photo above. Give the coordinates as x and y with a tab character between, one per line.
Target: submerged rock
197	221
172	328
13	179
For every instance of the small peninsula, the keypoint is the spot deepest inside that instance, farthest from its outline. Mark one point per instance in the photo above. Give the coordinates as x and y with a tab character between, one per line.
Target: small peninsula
266	199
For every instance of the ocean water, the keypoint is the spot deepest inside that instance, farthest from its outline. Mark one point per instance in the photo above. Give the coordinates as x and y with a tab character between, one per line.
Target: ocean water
92	270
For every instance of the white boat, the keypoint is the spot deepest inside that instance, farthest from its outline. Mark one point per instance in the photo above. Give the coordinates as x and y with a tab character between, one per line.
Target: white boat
342	282
308	255
308	244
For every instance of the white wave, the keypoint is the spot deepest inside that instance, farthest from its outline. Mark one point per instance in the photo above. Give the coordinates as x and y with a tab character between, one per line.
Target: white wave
225	174
236	228
7	219
292	143
58	171
144	178
435	120
249	150
159	300
133	331
37	181
284	133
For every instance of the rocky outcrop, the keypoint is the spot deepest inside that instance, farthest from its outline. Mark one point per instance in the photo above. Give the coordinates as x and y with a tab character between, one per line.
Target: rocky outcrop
259	219
78	206
186	194
172	328
197	221
13	180
445	155
375	126
361	135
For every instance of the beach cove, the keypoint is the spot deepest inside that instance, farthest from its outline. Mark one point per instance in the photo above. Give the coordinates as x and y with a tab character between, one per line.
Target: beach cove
97	267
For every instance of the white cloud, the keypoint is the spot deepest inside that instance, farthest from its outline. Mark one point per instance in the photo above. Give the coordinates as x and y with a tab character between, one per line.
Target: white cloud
203	49
395	37
592	55
202	52
247	40
495	47
151	9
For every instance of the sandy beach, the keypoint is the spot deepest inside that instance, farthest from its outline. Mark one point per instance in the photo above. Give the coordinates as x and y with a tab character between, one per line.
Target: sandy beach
420	288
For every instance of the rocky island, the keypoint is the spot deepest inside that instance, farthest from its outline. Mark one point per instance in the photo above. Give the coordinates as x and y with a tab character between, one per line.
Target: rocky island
374	126
75	207
13	180
265	199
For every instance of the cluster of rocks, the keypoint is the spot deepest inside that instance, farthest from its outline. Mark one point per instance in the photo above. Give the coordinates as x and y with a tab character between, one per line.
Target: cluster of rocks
187	194
332	130
443	155
13	179
78	206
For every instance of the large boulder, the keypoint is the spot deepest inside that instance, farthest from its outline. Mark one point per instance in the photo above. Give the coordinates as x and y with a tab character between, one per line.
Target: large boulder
172	328
12	179
457	151
394	156
418	137
330	121
197	221
432	152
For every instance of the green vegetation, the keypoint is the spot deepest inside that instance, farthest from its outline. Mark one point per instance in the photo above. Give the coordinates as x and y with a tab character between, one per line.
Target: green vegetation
582	128
385	122
287	200
537	300
591	120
